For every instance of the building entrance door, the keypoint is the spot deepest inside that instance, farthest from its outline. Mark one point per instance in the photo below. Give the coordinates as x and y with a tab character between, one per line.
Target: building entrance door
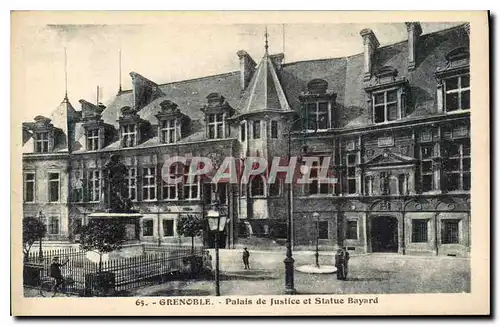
384	234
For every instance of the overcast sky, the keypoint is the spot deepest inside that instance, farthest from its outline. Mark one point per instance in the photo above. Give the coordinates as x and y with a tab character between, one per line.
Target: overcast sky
169	53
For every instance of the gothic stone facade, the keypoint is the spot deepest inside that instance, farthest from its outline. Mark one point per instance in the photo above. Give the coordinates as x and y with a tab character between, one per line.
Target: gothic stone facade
395	121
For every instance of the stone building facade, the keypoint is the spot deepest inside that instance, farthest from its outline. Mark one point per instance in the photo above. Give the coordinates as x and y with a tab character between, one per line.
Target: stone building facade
394	121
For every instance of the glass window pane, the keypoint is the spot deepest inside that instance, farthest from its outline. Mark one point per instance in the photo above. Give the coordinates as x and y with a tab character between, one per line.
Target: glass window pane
379	98
452	165
323	121
453	181
426	166
211	117
452	102
220	132
465	81
351	159
419	231
451	83
465	105
466	164
392	96
352	230
466	181
427	181
323	107
379	114
392	111
352	186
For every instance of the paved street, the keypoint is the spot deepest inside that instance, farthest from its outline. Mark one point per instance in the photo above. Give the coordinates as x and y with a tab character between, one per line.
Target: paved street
374	273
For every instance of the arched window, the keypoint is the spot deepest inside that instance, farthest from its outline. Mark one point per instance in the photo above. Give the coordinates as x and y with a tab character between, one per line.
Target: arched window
257	186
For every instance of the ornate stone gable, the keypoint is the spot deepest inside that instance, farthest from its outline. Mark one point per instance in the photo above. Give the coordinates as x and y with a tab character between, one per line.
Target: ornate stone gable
388	157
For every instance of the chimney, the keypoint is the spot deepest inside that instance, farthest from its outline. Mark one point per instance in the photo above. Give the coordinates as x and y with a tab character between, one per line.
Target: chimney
247	68
277	60
370	44
414	31
143	89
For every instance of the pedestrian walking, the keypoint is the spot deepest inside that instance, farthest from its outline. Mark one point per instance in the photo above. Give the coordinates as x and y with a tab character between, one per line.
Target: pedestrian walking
246	257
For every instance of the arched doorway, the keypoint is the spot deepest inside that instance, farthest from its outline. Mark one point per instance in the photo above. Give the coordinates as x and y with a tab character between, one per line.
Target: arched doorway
384	234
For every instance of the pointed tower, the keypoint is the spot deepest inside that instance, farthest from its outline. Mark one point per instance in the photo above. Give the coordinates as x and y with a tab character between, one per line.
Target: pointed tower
264	116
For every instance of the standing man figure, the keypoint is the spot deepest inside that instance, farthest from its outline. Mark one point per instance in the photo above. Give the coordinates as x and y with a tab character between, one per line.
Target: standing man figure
346	261
340	263
246	257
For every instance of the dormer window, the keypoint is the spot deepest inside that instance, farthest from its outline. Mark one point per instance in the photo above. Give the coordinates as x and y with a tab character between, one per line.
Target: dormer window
217	110
385	106
453	88
43	134
129	138
216	126
42	142
94	126
171	122
457	90
169	131
387	96
319	103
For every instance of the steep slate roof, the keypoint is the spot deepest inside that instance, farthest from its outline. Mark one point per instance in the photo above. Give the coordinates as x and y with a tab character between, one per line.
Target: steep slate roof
264	91
279	88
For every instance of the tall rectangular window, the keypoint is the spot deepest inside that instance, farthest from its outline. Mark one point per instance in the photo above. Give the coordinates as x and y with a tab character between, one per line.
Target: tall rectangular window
456	164
216	126
42	142
274	129
256	129
419	230
170	190
318	116
129	135
191	187
147	228
54	186
169	131
457	93
323	230
351	162
29	187
168	228
426	170
92	139
317	185
94	185
450	231
53	227
385	106
352	230
243	131
149	183
131	184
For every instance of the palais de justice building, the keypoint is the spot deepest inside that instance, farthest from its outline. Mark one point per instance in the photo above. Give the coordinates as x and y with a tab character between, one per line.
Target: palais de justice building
395	121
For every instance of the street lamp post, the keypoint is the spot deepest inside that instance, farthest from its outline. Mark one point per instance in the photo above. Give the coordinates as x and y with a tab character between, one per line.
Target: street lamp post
289	261
41	218
316	219
216	223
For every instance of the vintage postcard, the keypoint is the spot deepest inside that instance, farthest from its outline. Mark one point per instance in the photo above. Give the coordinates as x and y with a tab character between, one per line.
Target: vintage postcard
250	163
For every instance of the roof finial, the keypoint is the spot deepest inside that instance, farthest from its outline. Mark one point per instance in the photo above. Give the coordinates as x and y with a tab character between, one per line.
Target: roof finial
120	71
266	35
65	75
